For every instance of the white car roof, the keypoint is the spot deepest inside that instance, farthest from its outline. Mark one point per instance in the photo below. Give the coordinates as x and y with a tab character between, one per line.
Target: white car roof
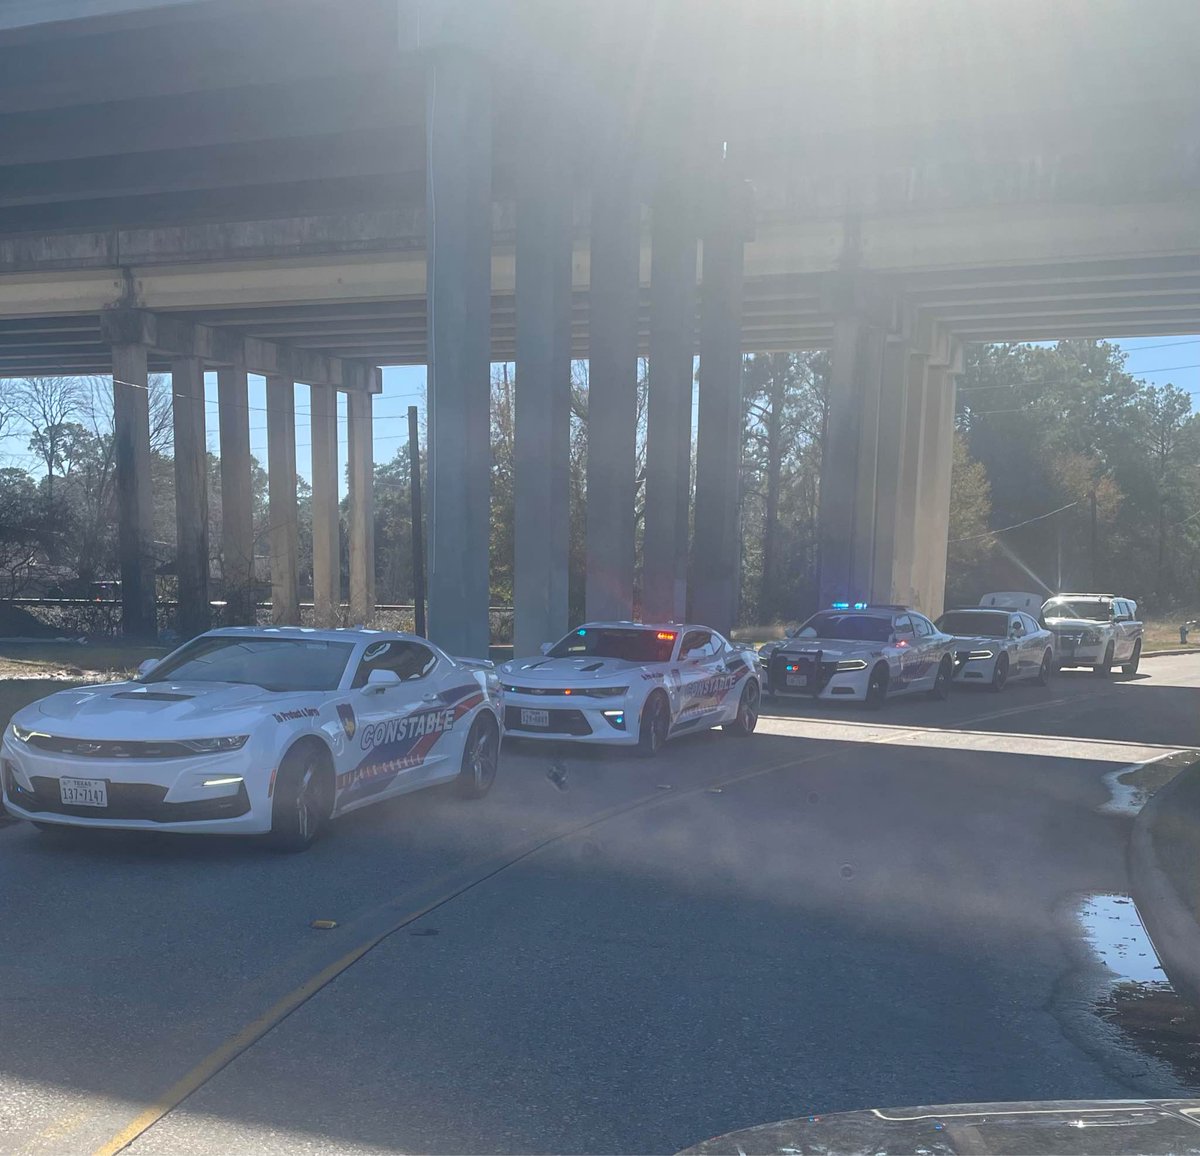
672	627
338	634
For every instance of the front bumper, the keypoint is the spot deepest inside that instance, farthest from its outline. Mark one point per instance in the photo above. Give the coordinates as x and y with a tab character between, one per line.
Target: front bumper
822	680
980	670
142	795
601	721
1083	654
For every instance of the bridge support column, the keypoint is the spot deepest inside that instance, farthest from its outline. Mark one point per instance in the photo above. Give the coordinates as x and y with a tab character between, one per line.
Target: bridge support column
849	470
937	465
612	398
191	496
284	530
542	435
135	501
327	563
459	269
237	501
669	410
360	451
886	577
716	548
905	586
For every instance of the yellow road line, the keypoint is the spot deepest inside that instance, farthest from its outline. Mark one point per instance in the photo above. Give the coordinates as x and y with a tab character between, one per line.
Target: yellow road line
281	1009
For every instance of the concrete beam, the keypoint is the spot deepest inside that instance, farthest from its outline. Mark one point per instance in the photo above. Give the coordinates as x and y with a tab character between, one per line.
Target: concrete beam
543	398
360	441
459	214
191	496
237	496
283	512
669	410
890	453
135	498
176	337
327	559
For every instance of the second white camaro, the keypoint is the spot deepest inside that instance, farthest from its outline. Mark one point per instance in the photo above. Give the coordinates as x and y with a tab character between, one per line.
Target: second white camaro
256	731
633	684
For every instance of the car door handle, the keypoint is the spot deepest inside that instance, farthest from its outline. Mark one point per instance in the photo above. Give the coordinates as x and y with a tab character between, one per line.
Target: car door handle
430	697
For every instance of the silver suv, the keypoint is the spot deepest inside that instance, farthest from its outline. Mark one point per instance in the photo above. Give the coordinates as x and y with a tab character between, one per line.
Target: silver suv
1096	630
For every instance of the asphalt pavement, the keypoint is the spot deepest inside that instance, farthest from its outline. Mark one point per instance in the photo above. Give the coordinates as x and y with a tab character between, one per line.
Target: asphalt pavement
605	954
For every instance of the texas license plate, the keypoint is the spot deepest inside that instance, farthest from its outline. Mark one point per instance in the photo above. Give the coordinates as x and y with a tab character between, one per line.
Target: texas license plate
83	792
797	680
535	718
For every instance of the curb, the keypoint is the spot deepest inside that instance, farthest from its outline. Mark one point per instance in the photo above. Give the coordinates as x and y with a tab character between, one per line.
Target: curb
1169	653
1171	925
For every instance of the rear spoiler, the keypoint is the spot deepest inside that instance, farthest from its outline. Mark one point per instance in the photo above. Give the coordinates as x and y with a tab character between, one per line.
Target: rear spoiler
484	664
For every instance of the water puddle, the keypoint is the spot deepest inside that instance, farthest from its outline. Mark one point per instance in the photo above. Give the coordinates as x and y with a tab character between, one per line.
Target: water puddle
1130	788
1134	998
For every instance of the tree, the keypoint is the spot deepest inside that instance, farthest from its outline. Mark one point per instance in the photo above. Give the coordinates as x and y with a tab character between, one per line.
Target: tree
970	547
46	405
26	527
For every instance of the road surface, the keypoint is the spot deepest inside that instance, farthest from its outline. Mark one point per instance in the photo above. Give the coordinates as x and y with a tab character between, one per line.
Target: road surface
846	910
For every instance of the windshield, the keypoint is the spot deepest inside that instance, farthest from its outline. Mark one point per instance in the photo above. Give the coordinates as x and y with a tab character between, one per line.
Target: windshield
851	627
632	645
1091	609
975	623
276	664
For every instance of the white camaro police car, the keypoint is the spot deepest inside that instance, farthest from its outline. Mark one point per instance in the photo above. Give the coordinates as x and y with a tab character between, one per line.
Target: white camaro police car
860	653
633	684
256	731
993	646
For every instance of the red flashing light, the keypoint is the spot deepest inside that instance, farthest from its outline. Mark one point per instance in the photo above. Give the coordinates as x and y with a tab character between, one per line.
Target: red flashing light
566	692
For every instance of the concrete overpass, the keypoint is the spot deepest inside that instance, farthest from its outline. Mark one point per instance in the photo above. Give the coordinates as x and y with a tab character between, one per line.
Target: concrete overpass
310	189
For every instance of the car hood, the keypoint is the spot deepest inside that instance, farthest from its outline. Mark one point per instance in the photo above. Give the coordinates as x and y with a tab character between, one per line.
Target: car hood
831	648
977	641
133	710
1154	1127
1074	624
552	671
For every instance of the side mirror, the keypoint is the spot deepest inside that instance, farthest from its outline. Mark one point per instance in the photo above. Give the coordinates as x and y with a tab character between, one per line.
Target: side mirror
546	647
144	668
379	680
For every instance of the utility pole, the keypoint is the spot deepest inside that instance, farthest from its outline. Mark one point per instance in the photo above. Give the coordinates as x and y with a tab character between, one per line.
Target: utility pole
418	537
1095	545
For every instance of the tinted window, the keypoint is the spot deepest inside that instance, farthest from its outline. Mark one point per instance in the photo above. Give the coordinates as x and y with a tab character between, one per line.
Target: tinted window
974	623
1090	609
632	644
1030	625
282	664
407	659
923	625
698	644
847	627
903	625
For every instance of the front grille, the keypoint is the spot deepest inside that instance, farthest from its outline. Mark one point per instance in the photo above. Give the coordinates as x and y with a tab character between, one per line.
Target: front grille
562	722
110	749
535	690
809	664
129	801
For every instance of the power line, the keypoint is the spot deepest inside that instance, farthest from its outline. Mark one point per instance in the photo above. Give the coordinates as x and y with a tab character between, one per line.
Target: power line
1066	380
1015	525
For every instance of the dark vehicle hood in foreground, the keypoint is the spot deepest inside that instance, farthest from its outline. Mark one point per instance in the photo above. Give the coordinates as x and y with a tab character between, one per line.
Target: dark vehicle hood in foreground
1070	1127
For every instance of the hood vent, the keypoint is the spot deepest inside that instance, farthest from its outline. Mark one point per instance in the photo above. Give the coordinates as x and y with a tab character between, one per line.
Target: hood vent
591	667
153	696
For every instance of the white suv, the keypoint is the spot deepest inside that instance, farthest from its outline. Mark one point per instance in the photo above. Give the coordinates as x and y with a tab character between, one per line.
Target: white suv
1096	630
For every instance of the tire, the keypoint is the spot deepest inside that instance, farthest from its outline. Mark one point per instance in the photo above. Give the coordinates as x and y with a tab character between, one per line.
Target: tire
303	799
940	691
999	674
877	688
1045	670
747	716
1105	668
654	725
481	758
1131	667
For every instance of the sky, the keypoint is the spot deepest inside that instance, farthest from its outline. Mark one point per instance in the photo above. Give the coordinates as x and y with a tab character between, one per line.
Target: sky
1156	359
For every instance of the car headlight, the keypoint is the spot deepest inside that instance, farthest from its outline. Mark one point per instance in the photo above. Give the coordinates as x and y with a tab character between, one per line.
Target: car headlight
1089	637
22	734
851	664
606	691
980	654
216	746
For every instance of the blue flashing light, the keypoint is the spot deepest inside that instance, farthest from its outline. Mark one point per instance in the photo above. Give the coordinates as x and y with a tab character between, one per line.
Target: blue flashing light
581	633
841	605
860	606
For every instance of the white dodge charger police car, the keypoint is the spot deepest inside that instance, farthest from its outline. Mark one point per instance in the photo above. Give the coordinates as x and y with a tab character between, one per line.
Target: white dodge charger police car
256	731
632	683
993	646
860	653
